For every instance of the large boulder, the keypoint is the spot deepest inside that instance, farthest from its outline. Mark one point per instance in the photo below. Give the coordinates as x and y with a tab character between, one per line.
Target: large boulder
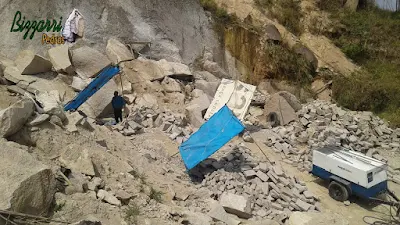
123	84
194	115
236	204
217	212
204	75
117	52
59	57
291	99
171	85
51	103
141	70
78	84
41	118
278	106
26	185
15	89
29	63
197	107
272	33
174	68
100	102
13	118
77	159
88	62
147	101
307	54
12	74
208	87
215	69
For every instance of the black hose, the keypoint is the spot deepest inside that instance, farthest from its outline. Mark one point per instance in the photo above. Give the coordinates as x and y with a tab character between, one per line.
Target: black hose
379	221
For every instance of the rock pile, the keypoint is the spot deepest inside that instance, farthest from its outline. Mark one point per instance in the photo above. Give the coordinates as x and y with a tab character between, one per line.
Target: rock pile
175	125
321	123
257	190
95	187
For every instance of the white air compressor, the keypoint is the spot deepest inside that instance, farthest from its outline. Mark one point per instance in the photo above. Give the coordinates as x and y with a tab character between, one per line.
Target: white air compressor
349	173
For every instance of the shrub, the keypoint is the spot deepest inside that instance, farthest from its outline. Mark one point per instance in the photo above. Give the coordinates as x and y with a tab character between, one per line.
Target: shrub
131	213
287	12
220	14
371	38
289	15
263	3
370	92
156	195
288	65
330	5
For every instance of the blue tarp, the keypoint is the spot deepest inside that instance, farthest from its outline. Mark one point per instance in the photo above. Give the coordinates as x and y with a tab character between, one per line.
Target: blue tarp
104	76
211	136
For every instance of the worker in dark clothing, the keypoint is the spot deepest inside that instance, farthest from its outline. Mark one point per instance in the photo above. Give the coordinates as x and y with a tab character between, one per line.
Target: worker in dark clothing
118	104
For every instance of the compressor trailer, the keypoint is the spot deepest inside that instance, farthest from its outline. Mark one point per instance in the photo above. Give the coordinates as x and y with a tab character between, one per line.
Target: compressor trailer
352	173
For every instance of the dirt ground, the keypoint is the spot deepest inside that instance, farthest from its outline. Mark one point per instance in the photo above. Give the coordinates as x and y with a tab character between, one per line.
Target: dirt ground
354	213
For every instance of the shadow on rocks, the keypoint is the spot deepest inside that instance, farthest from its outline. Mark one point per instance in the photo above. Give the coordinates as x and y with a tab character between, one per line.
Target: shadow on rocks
235	161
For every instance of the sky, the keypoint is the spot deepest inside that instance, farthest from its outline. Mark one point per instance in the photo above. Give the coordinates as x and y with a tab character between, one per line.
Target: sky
387	4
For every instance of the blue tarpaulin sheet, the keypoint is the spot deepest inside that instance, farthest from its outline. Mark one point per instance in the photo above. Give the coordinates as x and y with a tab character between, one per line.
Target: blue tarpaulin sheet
211	136
104	76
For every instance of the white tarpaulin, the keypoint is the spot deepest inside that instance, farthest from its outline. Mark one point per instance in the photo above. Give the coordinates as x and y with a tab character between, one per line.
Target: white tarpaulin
73	26
235	94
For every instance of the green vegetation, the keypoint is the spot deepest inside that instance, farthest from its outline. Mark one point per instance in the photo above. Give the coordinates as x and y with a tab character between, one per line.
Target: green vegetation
156	195
371	38
285	64
330	5
220	14
287	12
289	15
263	4
131	213
277	61
59	207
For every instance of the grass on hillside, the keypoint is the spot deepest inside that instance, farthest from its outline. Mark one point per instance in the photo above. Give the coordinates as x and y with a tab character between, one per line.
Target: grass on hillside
285	64
371	39
287	12
220	14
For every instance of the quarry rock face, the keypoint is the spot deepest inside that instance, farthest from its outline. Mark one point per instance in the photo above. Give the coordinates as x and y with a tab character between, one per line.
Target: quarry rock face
173	30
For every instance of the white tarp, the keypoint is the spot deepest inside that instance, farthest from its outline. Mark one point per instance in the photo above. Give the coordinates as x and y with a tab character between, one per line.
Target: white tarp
73	26
235	94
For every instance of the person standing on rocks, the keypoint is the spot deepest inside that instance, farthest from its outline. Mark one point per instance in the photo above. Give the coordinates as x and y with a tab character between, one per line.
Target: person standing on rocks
118	104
